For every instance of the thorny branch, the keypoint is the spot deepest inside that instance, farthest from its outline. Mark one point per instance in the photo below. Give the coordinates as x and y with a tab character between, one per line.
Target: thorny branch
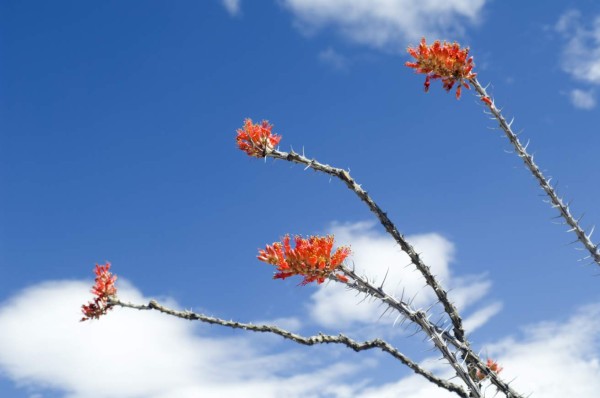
344	175
308	341
539	176
438	336
453	66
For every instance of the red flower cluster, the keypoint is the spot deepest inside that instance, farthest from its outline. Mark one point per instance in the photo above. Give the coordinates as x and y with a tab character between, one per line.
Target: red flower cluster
492	365
311	258
444	61
103	289
256	139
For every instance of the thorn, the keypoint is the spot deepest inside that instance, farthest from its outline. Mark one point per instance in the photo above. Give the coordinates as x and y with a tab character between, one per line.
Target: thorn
381	316
396	320
384	278
416	331
591	231
402	322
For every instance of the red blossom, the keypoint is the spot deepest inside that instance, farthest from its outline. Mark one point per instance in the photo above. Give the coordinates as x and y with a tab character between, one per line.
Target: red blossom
311	258
444	61
487	100
492	366
256	139
104	288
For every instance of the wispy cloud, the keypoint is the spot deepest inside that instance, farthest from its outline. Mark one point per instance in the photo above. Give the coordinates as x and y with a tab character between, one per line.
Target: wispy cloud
376	256
480	317
232	7
387	24
555	359
581	53
582	99
550	360
580	56
333	59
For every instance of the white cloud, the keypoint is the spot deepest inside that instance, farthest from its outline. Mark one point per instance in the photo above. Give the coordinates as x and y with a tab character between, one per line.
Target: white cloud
389	24
232	7
480	317
140	354
376	255
581	53
333	58
551	360
555	359
408	387
131	354
582	99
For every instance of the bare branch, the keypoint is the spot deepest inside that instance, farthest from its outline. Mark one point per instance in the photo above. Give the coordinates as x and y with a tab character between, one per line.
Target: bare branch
308	341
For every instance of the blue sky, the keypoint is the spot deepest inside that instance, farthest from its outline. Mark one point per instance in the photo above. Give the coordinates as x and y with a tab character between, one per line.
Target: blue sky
117	144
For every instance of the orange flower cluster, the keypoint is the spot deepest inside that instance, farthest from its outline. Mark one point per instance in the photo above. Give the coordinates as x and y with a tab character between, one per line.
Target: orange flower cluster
256	139
103	289
310	258
444	61
492	365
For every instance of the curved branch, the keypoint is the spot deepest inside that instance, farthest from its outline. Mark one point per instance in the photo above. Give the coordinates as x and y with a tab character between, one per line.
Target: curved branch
431	280
539	176
308	341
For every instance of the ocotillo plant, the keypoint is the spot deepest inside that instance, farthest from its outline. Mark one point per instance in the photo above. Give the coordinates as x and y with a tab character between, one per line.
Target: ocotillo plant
315	260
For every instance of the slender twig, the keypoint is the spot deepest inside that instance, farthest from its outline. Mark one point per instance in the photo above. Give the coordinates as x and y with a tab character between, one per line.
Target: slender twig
539	176
308	341
389	227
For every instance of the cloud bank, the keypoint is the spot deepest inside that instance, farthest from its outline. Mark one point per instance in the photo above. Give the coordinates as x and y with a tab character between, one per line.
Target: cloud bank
133	354
386	24
139	354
